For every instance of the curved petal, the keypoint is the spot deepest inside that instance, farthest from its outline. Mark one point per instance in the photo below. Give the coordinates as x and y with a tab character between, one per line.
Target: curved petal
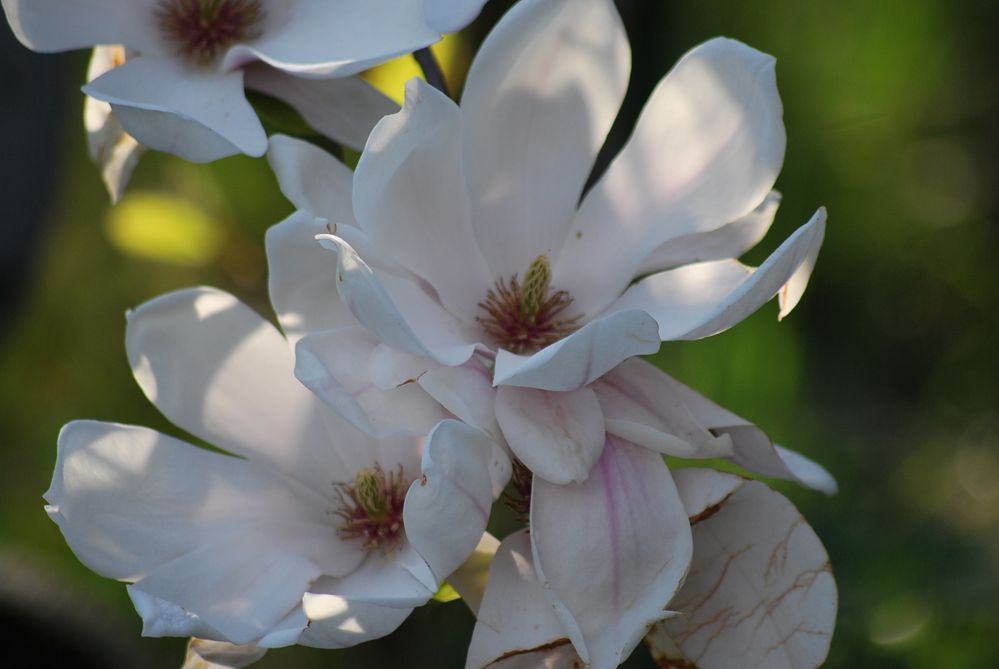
700	300
312	179
470	578
447	508
301	278
539	100
223	373
640	405
729	241
558	435
337	38
466	391
344	109
760	590
161	618
706	150
515	618
611	552
338	622
199	115
582	357
386	582
205	654
56	25
410	200
372	305
333	365
448	16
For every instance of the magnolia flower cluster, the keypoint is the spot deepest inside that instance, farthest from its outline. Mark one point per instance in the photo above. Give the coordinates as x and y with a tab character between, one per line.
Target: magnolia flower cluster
461	322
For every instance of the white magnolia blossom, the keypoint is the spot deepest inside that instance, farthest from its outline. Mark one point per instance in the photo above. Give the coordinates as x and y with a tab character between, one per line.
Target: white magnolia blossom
314	534
181	89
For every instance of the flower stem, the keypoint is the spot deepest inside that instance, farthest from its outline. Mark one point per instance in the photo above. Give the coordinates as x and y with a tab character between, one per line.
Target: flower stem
431	69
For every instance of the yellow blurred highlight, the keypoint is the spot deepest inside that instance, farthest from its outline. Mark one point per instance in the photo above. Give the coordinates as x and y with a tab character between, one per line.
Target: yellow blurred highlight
446	593
160	227
390	78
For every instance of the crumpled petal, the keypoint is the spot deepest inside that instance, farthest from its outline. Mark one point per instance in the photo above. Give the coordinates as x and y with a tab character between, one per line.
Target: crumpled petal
199	115
582	357
540	97
333	365
217	369
706	150
641	406
611	552
410	200
205	654
558	435
700	300
760	592
56	25
344	109
729	241
515	618
447	508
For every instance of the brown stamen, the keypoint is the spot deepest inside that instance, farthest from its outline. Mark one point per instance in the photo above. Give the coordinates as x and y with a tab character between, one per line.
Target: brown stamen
202	29
518	497
371	508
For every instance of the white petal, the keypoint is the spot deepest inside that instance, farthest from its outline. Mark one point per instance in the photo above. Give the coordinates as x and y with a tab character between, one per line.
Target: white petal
336	622
334	365
753	448
612	551
760	592
448	506
390	368
466	391
470	578
56	25
199	115
729	241
162	618
410	200
323	38
515	617
372	305
343	109
641	406
704	490
558	435
312	179
220	371
582	357
701	300
383	579
301	278
205	654
448	16
791	292
706	150
540	97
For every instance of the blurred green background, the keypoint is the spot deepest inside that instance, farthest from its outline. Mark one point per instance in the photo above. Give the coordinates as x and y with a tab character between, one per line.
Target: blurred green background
887	372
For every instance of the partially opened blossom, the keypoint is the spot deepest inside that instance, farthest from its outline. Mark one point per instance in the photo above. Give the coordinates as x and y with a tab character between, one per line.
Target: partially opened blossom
310	532
181	89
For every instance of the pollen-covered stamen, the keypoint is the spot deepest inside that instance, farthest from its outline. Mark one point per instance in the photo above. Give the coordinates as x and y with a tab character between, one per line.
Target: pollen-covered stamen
518	493
203	29
371	507
525	317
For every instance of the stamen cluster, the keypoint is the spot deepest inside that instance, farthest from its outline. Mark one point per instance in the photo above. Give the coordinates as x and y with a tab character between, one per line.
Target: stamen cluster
525	317
202	29
371	507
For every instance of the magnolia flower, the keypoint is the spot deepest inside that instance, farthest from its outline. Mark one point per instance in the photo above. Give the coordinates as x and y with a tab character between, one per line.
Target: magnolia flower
314	533
181	89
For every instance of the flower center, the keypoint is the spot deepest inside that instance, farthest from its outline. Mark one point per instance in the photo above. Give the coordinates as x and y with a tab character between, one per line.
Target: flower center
525	317
202	29
370	508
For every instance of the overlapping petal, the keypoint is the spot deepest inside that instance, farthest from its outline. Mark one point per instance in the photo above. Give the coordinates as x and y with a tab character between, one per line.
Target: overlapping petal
56	25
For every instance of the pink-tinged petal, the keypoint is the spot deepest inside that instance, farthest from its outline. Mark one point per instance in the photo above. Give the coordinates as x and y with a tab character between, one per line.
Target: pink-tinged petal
365	295
582	357
611	552
448	16
337	38
217	369
312	180
753	449
470	578
205	654
729	241
558	435
333	365
706	150
540	97
760	592
57	25
515	618
338	622
410	200
700	300
344	109
447	507
301	278
641	406
199	115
